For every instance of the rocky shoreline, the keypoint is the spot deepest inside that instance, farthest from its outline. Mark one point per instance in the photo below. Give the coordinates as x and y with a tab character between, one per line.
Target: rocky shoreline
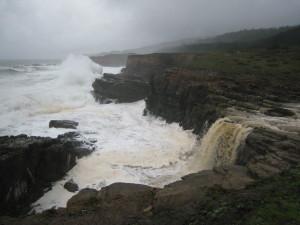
30	164
256	111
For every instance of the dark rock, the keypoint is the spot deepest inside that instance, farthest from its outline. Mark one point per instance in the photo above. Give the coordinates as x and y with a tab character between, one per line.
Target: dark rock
117	190
119	87
68	124
195	185
79	147
196	99
267	152
133	82
28	165
71	186
279	112
82	196
113	60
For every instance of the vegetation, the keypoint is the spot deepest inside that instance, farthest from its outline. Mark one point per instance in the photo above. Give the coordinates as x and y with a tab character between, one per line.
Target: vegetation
249	35
246	39
281	63
272	201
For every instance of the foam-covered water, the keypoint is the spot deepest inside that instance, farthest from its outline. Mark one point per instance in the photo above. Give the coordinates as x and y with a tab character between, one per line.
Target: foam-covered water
129	148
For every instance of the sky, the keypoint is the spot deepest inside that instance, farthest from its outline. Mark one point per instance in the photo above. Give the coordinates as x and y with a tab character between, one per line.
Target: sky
34	29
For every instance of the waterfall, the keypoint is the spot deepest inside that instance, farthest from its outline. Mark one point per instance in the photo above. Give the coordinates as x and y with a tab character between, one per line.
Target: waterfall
220	144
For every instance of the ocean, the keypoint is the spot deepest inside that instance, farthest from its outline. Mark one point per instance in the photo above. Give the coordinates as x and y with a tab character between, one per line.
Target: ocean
129	147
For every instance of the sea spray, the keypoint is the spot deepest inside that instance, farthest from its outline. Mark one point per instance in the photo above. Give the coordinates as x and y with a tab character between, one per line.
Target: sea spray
79	70
36	93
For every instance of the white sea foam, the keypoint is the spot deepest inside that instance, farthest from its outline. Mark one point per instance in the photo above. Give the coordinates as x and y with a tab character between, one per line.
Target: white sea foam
129	148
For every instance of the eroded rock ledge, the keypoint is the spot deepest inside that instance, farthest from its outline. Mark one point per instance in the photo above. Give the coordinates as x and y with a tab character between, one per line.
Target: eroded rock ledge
132	83
196	99
28	165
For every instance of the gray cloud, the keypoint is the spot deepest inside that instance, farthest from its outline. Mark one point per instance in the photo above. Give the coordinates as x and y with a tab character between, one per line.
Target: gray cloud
54	28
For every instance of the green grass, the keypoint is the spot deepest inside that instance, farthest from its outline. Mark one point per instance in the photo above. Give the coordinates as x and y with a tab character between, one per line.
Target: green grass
271	201
279	63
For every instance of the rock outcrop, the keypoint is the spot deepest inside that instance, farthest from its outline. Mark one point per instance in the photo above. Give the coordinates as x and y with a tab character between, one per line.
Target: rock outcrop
71	186
120	88
268	152
67	124
28	165
113	60
133	82
196	99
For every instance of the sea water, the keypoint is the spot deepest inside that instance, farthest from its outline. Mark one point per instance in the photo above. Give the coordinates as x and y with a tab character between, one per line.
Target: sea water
129	147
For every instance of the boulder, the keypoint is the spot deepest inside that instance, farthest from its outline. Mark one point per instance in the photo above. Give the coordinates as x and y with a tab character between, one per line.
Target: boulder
67	124
71	186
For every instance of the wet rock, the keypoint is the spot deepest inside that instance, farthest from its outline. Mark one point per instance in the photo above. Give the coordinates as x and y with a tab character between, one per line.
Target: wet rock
281	112
71	186
117	190
79	147
132	84
268	152
195	185
67	124
196	99
28	165
82	196
119	87
113	60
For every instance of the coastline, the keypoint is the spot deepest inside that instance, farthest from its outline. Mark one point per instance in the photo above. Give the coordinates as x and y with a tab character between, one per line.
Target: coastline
197	99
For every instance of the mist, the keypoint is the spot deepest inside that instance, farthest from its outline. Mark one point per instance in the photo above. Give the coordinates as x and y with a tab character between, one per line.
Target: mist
54	28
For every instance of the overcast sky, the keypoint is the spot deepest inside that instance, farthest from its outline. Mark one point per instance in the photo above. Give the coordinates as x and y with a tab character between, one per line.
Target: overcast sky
55	28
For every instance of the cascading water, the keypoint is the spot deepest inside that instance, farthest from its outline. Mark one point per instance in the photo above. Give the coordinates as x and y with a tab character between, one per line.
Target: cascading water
220	144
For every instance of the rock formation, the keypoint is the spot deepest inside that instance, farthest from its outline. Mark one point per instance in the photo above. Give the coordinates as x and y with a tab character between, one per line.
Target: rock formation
71	186
68	124
28	165
113	60
196	99
133	82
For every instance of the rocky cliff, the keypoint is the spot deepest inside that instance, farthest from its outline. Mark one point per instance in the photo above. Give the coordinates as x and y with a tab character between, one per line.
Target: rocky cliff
113	60
28	165
133	82
196	99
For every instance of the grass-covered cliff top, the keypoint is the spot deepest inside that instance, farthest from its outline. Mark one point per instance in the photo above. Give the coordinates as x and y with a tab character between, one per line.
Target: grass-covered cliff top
280	63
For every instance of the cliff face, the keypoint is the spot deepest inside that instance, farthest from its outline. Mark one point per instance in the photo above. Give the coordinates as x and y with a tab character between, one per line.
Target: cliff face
133	82
196	99
28	165
267	152
111	60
